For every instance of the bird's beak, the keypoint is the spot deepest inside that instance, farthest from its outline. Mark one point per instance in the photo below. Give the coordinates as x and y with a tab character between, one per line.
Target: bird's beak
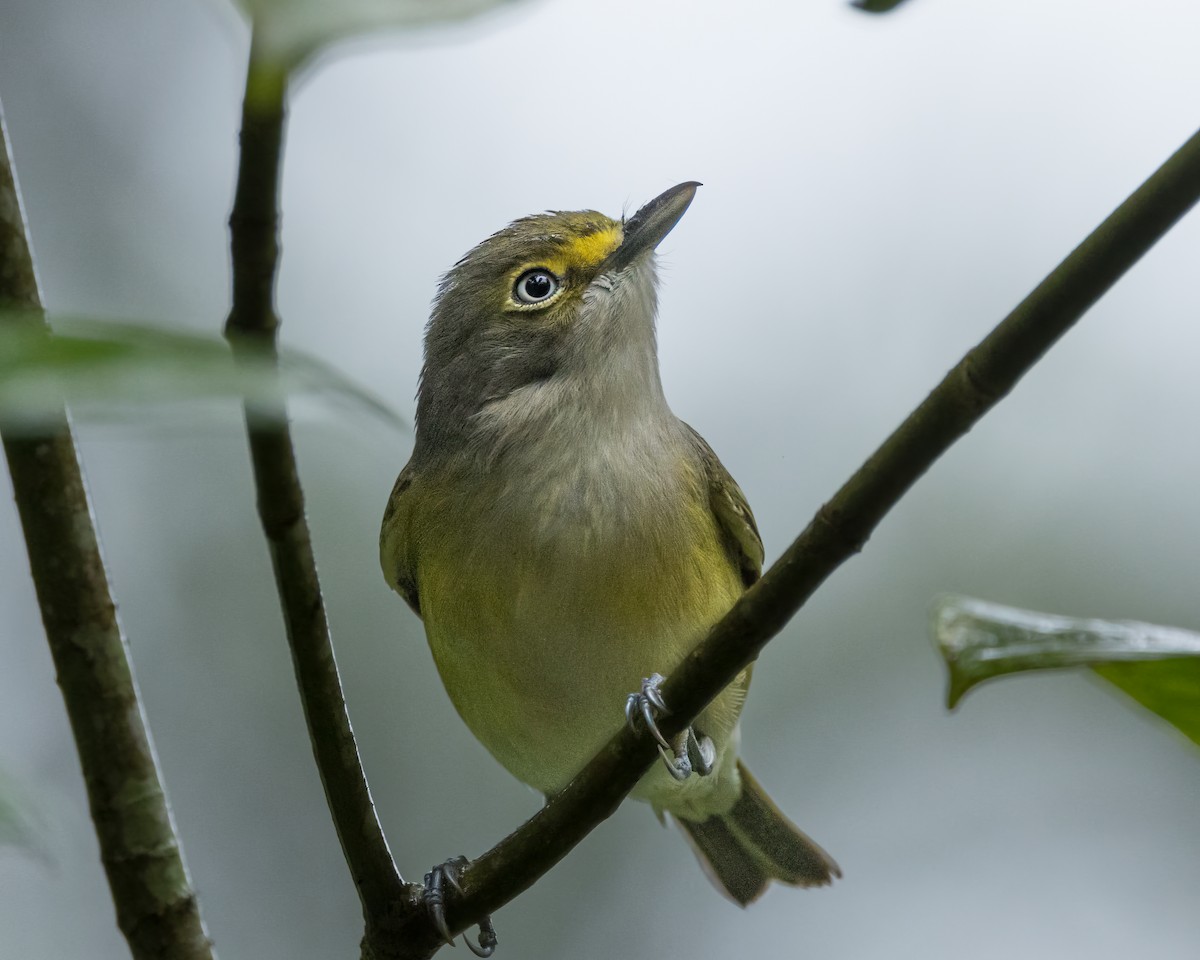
646	228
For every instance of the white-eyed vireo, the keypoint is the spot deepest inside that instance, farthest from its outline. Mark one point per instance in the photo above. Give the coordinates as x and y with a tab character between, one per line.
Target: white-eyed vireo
563	535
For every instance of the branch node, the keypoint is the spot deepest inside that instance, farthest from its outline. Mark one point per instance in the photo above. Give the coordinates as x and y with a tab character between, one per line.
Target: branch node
985	394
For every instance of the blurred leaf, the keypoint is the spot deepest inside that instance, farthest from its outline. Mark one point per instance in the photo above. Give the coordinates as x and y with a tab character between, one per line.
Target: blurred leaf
20	827
87	363
876	6
1157	666
1171	688
288	32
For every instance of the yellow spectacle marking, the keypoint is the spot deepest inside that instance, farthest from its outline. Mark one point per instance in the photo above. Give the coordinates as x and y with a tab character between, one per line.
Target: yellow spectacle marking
583	251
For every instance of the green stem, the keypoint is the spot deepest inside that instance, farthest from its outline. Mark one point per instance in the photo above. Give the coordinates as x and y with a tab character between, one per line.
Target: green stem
252	323
156	907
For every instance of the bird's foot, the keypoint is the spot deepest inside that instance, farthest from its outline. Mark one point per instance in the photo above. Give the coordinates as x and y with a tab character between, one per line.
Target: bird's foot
647	706
685	752
701	751
436	882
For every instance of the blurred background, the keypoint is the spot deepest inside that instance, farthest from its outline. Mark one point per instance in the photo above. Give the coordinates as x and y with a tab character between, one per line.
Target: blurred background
878	193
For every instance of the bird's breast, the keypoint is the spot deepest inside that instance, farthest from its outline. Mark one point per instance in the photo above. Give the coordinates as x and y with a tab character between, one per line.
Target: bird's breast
548	598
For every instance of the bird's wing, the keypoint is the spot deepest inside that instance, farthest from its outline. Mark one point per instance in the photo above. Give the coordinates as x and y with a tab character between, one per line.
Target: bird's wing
732	511
394	554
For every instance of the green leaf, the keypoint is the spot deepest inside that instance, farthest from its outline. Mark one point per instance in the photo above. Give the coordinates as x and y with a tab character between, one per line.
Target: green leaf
1158	666
287	33
1171	688
125	369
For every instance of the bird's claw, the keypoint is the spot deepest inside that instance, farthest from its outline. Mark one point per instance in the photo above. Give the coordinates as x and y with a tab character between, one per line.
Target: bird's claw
687	752
646	706
678	765
435	902
702	752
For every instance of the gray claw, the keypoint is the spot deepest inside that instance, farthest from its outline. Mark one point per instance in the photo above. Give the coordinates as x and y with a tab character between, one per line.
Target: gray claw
645	705
487	939
688	753
435	894
678	763
652	692
702	752
435	902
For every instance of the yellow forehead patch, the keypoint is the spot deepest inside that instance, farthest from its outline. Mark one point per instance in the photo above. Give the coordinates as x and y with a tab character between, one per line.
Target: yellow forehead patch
587	250
592	248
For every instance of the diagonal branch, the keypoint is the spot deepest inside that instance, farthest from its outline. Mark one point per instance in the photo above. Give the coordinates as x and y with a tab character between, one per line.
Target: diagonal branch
156	907
839	530
397	926
252	325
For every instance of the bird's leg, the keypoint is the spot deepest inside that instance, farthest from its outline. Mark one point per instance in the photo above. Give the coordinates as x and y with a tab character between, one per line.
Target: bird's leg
436	881
678	764
701	751
685	752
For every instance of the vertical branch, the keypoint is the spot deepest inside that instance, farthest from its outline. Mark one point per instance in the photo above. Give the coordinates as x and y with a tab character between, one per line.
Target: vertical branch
252	324
156	907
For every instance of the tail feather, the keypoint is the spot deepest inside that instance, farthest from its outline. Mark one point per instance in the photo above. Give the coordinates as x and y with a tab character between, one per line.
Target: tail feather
743	850
729	866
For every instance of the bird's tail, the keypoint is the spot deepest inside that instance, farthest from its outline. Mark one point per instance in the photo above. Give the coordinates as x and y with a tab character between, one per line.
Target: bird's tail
754	843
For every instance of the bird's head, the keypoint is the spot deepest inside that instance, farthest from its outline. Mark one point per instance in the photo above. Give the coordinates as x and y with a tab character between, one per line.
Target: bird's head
553	303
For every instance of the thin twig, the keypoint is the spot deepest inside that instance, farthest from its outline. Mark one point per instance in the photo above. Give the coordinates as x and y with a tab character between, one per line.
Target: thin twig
839	530
156	907
254	226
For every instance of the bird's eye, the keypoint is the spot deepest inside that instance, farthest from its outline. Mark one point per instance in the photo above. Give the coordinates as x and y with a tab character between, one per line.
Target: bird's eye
535	286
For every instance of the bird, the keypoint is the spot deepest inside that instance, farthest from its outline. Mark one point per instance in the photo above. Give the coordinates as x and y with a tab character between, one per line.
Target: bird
566	539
